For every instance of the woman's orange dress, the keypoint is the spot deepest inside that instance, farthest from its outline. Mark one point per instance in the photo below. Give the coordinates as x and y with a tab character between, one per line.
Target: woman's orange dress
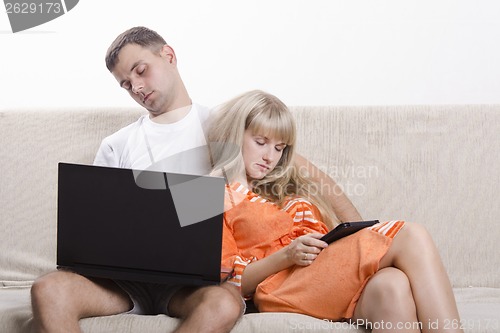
328	288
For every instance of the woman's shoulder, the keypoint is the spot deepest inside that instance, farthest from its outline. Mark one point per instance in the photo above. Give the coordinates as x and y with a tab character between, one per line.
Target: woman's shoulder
301	209
295	200
242	204
236	193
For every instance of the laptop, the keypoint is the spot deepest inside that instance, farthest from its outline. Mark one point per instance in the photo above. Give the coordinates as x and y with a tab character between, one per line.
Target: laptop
135	225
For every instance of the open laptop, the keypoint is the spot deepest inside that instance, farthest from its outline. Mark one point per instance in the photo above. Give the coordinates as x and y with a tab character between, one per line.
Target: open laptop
139	225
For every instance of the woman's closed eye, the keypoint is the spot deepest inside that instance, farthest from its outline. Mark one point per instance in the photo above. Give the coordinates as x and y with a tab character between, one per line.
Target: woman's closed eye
280	147
260	142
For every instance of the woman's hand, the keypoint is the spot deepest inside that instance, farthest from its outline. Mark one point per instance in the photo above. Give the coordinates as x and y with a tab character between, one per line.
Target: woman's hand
303	250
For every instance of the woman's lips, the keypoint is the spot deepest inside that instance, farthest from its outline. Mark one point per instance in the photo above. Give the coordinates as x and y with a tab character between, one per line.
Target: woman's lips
263	167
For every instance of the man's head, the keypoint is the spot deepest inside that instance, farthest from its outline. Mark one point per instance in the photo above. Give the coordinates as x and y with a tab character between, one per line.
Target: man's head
145	66
142	36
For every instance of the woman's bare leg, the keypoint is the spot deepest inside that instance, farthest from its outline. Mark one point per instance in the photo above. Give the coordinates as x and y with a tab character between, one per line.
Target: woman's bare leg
414	253
386	304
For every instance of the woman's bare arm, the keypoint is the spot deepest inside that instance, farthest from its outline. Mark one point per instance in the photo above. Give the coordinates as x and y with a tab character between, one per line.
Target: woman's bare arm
342	206
301	251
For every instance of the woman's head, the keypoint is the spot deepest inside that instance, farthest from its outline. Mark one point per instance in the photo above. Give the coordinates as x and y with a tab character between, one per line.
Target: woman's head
253	139
254	131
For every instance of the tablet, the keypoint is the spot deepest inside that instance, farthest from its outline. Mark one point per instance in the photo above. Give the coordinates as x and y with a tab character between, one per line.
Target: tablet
346	229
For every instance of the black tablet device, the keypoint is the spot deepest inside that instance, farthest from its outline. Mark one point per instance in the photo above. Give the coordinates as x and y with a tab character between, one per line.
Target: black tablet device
346	229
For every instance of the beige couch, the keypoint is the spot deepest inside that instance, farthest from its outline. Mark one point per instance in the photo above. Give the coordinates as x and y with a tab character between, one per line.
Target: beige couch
435	165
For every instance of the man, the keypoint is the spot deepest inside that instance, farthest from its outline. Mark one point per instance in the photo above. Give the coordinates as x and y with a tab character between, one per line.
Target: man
146	67
170	138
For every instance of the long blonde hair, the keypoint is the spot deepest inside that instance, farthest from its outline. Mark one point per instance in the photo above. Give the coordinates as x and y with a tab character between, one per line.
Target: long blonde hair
263	114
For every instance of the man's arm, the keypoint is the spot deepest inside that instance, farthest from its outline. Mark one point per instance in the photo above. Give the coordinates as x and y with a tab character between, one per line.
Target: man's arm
342	206
106	156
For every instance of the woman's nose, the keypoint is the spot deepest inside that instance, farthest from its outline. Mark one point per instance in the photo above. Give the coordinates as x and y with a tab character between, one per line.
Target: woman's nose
268	156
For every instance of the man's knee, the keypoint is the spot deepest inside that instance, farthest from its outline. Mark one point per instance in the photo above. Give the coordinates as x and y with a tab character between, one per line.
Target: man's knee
77	296
223	301
219	306
59	289
49	288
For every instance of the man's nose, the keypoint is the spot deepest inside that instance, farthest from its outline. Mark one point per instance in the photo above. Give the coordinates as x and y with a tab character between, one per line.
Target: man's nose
137	87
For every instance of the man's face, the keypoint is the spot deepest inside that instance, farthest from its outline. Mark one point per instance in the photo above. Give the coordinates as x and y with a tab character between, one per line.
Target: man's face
150	78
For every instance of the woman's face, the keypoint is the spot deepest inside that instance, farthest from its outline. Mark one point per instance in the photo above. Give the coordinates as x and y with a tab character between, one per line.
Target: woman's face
261	154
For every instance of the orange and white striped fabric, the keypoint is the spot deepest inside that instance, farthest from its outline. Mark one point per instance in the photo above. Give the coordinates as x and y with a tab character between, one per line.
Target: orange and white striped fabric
297	217
388	229
254	228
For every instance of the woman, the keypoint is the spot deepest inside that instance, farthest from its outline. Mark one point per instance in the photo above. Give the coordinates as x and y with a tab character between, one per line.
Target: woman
389	277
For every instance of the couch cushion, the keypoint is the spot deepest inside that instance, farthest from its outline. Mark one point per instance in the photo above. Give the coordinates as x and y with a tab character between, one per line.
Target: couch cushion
15	310
479	309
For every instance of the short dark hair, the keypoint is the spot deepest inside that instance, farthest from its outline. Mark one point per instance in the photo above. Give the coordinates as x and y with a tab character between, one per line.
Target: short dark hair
142	36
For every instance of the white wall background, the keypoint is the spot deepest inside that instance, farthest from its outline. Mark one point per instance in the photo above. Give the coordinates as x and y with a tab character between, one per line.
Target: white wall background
338	52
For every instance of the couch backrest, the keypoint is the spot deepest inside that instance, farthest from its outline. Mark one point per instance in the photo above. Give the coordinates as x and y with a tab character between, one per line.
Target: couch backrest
33	142
435	165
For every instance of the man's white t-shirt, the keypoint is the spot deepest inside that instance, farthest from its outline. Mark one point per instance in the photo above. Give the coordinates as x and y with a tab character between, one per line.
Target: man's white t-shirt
179	147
